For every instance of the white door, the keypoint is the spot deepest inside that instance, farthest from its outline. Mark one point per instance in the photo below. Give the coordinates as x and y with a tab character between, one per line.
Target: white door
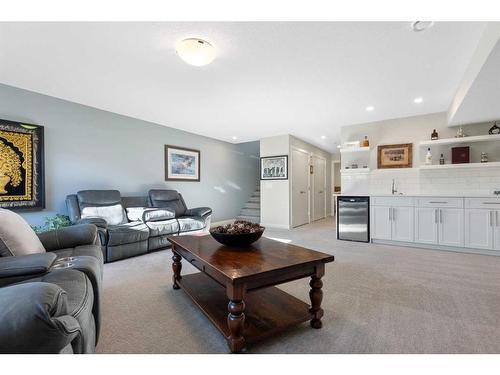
381	222
496	230
426	225
451	227
402	224
479	229
319	188
300	188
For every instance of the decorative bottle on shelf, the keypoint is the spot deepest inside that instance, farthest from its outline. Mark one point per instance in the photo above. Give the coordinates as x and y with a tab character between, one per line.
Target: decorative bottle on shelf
484	157
434	135
494	129
366	142
441	160
428	157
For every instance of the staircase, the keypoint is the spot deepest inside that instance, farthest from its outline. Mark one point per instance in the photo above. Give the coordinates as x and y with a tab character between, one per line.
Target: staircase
251	210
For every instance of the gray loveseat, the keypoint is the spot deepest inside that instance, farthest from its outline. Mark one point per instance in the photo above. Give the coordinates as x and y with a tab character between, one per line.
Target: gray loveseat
130	226
50	302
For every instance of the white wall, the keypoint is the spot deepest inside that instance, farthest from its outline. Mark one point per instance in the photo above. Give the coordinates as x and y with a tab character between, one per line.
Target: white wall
275	195
473	181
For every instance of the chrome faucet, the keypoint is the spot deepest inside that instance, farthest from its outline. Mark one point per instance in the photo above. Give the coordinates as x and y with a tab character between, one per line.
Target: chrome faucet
394	190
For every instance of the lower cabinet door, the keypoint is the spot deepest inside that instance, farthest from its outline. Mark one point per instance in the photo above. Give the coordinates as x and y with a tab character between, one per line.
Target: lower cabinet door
451	224
380	222
402	224
479	229
496	231
426	225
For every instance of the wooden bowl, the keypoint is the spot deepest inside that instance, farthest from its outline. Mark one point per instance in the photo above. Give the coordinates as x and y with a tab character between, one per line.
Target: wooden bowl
241	239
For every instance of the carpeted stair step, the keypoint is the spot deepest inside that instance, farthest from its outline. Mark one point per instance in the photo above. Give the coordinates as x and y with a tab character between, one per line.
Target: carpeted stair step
254	205
252	219
250	212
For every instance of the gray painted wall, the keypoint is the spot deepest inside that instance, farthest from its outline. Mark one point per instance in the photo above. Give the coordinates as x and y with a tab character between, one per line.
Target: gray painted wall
87	148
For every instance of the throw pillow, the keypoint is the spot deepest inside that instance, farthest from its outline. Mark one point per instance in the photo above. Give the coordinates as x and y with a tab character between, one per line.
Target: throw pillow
16	236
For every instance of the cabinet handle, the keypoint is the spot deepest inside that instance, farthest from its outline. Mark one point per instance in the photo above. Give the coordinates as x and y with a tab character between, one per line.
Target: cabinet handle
437	202
441	216
435	216
491	202
393	214
390	213
491	218
496	214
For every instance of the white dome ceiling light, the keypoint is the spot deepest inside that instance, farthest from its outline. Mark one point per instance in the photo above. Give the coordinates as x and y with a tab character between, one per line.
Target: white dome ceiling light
195	51
418	26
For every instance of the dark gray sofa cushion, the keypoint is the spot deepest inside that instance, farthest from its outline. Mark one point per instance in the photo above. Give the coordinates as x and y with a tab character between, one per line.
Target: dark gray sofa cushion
126	250
170	199
26	265
198	211
145	214
190	223
34	319
85	250
160	228
127	233
84	234
105	204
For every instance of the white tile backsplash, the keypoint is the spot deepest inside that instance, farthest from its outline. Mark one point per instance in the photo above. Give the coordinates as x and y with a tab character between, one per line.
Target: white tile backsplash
473	181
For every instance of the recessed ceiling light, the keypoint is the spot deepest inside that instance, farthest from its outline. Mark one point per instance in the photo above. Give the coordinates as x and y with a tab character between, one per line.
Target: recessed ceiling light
418	26
195	51
418	100
370	108
234	138
323	137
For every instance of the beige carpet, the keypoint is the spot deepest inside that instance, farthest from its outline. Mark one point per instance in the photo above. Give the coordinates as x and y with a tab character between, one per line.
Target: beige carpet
378	299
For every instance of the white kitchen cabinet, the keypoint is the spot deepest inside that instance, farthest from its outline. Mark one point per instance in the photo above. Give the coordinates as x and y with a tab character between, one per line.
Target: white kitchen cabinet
426	228
478	229
402	224
392	223
496	230
381	222
451	227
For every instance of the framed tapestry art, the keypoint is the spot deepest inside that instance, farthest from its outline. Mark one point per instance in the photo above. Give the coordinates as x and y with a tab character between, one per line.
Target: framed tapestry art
274	167
181	164
21	166
395	156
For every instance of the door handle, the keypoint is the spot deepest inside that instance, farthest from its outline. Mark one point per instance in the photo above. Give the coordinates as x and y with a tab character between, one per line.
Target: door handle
302	192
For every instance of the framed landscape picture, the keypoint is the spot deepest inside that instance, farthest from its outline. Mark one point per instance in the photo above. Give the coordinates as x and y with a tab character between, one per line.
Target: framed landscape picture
395	156
21	166
274	167
181	164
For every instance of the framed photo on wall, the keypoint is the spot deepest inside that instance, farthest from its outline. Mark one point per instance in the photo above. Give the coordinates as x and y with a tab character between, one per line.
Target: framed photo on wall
22	180
395	156
182	164
274	167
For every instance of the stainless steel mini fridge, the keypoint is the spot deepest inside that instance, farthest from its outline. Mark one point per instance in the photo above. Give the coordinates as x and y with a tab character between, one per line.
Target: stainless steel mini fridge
353	221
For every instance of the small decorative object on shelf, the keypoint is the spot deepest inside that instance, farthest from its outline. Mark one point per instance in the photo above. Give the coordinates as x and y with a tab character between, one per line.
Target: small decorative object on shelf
366	142
460	155
441	160
434	135
354	166
460	133
484	157
494	129
428	157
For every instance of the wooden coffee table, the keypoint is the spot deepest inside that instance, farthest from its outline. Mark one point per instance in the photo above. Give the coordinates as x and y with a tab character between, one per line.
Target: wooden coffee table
235	288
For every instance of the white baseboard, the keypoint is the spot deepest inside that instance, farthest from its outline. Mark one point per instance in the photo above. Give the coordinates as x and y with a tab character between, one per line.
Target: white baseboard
277	226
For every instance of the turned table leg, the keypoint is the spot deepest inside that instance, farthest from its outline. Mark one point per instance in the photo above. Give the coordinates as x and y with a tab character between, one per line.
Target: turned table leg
236	319
176	267
316	296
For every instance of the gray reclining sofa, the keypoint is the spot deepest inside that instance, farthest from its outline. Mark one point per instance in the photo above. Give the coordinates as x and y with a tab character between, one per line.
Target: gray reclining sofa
50	301
130	226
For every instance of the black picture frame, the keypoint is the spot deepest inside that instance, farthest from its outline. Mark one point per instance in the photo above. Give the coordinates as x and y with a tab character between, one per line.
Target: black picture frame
22	185
264	159
168	166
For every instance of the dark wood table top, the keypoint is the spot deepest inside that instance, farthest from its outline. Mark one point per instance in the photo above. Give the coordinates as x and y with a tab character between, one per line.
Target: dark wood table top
264	255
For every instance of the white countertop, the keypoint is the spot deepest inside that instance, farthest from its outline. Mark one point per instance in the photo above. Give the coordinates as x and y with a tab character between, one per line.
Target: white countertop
424	195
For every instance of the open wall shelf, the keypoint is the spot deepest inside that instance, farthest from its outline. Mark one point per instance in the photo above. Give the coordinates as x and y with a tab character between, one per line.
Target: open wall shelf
463	165
453	141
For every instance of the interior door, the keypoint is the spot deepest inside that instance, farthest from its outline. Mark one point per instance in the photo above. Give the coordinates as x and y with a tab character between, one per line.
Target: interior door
426	225
300	188
402	224
478	229
451	227
319	188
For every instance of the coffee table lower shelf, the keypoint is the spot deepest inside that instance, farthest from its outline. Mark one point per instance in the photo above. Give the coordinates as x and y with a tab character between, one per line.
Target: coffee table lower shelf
267	311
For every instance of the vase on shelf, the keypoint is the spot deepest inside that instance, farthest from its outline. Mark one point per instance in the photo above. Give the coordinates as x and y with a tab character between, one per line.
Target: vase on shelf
434	135
366	142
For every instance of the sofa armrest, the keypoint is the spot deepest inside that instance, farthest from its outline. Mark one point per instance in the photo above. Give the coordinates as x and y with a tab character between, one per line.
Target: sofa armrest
76	235
97	221
34	320
146	214
26	265
199	211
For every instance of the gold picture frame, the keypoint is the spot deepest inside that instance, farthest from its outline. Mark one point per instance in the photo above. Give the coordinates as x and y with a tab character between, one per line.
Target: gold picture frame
395	156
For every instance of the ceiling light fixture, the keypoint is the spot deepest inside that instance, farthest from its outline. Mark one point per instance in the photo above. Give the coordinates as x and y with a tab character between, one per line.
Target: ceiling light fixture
418	26
323	137
195	51
370	108
418	100
234	138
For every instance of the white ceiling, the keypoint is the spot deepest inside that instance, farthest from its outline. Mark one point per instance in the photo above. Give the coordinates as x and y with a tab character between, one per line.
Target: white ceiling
305	79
